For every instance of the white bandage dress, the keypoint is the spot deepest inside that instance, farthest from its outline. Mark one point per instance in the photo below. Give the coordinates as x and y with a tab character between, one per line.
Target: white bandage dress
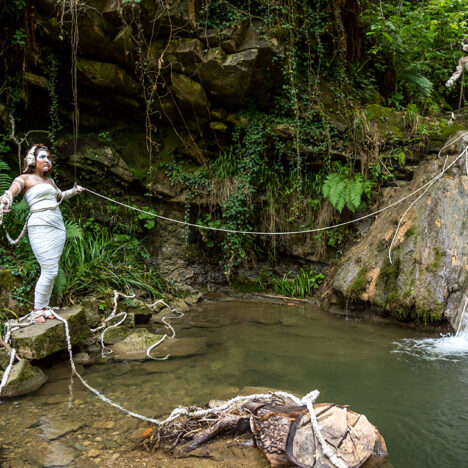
46	233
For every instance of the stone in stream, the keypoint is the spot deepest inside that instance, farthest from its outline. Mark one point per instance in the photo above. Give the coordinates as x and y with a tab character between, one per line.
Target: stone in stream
24	378
43	339
54	428
4	358
134	346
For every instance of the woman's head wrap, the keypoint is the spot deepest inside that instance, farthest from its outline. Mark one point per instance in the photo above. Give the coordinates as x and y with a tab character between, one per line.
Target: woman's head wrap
30	158
464	44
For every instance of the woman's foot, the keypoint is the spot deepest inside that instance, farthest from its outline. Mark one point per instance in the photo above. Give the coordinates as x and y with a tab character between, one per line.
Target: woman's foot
48	313
40	315
37	316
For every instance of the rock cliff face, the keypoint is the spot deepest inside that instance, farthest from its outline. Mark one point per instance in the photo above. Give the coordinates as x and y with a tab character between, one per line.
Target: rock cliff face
428	276
200	79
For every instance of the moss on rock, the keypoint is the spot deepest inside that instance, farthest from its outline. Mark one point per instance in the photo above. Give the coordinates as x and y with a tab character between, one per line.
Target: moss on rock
24	378
41	340
359	284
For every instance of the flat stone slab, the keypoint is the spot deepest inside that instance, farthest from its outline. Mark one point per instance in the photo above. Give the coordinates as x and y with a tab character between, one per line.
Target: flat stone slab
43	339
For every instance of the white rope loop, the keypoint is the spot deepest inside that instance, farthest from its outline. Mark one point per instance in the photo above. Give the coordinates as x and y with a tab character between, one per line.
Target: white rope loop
464	153
165	336
6	375
105	350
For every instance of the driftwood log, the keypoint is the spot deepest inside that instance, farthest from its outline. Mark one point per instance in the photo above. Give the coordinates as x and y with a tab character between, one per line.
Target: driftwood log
282	432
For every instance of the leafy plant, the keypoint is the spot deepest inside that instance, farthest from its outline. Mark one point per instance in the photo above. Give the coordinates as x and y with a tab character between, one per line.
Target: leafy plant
345	189
301	285
150	221
5	179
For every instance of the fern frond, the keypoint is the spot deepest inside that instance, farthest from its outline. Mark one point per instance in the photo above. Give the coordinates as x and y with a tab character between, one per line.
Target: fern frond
354	192
74	230
5	182
60	283
418	80
4	166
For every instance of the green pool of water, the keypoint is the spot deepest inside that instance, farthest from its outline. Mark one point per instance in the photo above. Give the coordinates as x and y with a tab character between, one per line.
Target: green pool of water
418	404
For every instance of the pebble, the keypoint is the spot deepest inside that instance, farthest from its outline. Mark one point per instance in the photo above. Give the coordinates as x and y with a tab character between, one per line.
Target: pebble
104	425
93	453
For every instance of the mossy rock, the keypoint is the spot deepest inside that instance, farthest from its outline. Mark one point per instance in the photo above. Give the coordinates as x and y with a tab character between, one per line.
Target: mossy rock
117	334
134	346
43	339
4	359
24	378
388	122
359	284
190	93
108	76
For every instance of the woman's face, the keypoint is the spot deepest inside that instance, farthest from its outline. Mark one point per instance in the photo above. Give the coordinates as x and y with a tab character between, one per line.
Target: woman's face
43	162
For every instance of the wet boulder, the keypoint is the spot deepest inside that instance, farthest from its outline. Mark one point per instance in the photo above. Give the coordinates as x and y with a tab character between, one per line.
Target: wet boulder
267	47
23	378
108	76
98	161
134	346
184	54
227	78
427	277
190	94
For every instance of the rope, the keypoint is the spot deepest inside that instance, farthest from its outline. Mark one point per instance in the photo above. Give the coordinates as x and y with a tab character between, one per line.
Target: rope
429	184
284	233
106	350
25	226
164	320
6	375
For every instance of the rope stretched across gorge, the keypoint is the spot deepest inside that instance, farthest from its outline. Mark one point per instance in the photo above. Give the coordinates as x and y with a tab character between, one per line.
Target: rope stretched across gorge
304	231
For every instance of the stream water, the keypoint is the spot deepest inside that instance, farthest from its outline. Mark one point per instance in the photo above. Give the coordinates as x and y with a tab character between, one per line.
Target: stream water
406	382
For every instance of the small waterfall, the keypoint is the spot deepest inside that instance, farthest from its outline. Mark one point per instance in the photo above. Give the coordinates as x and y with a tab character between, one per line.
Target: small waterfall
462	330
446	348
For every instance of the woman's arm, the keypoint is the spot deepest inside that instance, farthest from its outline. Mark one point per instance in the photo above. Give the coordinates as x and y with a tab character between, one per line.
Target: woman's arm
77	189
15	189
456	75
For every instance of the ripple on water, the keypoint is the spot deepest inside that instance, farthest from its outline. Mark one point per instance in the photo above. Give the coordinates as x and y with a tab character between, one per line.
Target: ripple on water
444	348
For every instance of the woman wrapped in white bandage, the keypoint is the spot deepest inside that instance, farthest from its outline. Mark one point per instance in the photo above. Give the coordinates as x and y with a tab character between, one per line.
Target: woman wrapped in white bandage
46	230
462	64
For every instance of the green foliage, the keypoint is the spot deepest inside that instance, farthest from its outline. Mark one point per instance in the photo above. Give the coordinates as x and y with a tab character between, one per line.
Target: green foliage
149	220
100	261
419	42
226	165
104	137
5	179
300	285
4	145
55	126
19	38
345	189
